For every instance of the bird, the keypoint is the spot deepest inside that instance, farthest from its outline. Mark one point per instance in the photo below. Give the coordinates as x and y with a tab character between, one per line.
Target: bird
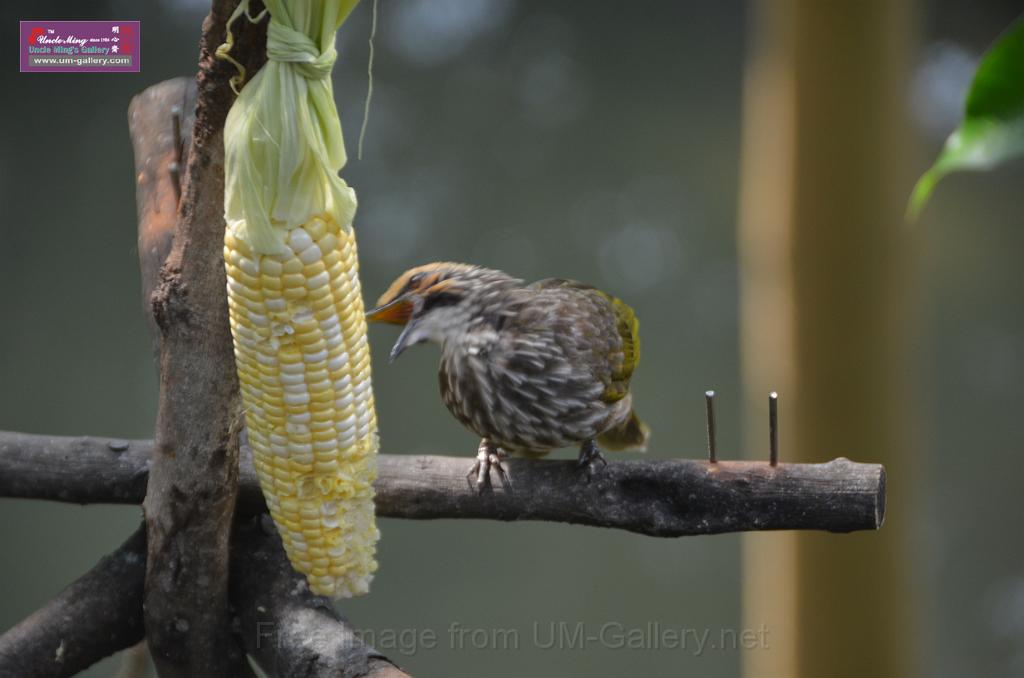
527	367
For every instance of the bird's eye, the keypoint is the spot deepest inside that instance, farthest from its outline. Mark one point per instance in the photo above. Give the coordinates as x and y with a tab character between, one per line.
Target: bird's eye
414	281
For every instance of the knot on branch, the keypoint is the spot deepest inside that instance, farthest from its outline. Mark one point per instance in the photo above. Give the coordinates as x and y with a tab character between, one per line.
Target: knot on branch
169	301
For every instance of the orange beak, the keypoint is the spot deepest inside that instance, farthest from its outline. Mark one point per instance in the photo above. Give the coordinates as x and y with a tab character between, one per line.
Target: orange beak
396	312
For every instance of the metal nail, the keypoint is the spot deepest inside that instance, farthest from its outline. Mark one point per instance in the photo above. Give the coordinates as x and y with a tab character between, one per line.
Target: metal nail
174	168
176	130
709	401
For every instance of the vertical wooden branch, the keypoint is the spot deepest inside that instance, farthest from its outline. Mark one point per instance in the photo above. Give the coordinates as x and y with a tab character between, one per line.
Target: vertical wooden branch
193	480
160	156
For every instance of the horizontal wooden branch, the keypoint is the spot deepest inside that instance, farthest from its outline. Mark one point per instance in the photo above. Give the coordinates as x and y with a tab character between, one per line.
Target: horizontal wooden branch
665	498
97	615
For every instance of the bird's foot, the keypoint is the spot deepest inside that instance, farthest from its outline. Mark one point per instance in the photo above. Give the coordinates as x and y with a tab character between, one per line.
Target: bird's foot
590	455
488	456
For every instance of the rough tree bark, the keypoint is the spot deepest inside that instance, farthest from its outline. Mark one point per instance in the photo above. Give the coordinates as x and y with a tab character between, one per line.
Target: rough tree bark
193	477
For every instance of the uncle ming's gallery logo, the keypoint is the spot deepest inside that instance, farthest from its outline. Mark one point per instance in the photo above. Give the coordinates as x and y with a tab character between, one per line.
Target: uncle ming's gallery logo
80	46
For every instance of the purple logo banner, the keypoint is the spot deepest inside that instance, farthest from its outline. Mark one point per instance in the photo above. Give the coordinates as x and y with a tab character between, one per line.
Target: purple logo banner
80	47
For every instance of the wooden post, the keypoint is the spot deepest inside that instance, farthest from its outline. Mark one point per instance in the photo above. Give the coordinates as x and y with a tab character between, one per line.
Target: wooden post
824	311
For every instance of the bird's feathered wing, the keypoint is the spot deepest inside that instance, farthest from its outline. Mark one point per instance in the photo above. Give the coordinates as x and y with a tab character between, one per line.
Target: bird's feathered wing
613	363
616	372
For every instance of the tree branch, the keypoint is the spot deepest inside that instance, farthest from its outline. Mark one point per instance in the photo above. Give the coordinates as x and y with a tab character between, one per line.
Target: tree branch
192	486
665	498
97	615
290	632
160	121
660	498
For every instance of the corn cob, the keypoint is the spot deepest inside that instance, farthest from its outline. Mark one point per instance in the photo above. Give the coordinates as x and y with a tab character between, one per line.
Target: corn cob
295	303
304	370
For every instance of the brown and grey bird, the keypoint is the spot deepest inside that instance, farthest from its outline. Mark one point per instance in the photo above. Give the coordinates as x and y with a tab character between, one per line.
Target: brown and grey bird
528	368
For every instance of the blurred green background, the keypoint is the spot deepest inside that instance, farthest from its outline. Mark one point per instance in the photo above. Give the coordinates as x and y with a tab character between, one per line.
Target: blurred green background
597	141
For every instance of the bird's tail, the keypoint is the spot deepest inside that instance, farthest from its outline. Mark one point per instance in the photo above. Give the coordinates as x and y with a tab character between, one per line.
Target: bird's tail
629	436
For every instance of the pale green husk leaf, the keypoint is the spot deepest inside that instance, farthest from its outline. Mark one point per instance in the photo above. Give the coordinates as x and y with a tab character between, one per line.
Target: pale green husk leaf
283	144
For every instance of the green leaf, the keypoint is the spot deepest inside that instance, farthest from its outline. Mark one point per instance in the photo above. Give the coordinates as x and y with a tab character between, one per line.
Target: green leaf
993	127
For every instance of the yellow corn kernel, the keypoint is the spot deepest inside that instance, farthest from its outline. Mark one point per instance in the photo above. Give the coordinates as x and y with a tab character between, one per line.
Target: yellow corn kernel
303	363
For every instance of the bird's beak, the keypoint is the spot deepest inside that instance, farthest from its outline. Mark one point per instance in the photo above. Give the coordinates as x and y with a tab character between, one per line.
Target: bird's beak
402	343
396	312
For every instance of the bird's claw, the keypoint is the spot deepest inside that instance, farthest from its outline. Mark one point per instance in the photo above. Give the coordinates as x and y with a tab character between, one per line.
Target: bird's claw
589	456
488	457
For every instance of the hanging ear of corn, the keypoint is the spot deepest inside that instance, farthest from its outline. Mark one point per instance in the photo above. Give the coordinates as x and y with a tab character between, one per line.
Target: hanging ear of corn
295	302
